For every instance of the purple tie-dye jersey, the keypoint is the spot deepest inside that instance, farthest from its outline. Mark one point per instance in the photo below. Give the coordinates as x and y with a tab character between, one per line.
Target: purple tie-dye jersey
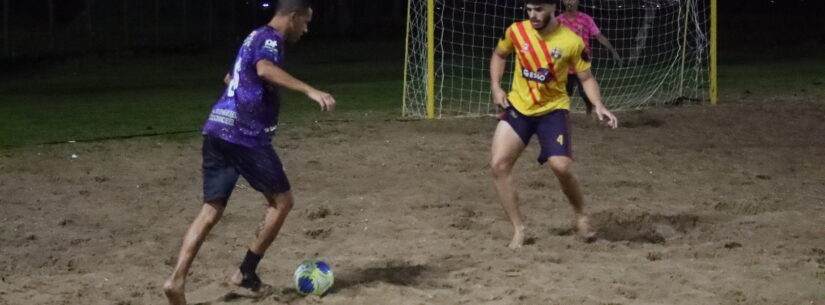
247	113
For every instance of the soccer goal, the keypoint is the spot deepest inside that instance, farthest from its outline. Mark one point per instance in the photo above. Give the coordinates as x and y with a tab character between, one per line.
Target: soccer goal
665	45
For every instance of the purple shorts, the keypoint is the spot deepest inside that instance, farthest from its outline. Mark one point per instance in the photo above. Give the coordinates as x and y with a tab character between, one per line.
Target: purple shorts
224	162
552	129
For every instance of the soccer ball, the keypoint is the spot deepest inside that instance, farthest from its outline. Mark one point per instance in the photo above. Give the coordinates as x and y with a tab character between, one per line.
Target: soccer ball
313	277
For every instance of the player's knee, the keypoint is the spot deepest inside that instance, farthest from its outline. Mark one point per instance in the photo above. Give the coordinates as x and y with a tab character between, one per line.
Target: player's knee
561	166
500	167
286	205
283	201
212	211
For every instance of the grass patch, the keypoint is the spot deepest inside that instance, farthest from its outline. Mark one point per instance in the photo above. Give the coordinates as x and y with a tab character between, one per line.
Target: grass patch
767	72
120	96
124	95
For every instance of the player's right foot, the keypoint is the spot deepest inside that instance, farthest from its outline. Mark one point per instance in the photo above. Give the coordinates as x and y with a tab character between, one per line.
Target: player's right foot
175	291
518	239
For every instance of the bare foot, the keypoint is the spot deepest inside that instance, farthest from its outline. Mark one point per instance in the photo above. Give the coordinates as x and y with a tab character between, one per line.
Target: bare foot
175	291
518	239
585	232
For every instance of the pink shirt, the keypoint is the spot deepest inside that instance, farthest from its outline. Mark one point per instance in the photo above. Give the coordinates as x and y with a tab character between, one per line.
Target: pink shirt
582	25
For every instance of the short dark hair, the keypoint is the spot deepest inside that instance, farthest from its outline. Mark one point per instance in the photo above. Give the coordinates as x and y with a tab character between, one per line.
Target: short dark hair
540	2
289	6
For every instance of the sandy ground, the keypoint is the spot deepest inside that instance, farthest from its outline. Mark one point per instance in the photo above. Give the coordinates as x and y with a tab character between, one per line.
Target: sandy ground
694	205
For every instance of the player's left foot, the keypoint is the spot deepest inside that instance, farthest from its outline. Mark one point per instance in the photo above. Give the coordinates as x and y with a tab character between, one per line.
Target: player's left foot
585	232
248	280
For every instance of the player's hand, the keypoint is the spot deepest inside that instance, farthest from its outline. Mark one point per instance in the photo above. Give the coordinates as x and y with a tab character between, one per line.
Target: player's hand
618	59
324	99
500	98
604	114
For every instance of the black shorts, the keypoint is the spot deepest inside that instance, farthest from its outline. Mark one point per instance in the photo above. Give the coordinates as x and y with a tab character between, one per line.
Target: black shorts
575	84
552	129
224	162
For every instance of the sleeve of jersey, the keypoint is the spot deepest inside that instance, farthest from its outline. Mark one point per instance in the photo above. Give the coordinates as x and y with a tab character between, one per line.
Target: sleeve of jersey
505	43
268	48
593	28
581	60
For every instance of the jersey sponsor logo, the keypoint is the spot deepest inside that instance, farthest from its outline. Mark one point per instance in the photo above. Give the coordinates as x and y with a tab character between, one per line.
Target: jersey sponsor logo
271	46
556	53
222	119
543	75
225	112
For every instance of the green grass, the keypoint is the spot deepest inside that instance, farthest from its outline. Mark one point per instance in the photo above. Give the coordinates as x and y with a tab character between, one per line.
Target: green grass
99	97
772	71
799	77
93	98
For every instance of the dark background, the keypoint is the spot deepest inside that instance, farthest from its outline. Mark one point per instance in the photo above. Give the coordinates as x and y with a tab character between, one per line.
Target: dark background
80	26
83	26
759	26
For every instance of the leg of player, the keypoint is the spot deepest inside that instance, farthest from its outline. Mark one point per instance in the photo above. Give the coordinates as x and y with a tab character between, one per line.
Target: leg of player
562	167
276	212
588	105
570	85
573	85
506	148
174	287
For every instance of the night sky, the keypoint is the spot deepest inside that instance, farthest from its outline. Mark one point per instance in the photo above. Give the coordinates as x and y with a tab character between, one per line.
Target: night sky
742	23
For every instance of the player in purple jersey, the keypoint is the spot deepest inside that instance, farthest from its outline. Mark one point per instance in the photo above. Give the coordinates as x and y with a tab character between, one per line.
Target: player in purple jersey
236	143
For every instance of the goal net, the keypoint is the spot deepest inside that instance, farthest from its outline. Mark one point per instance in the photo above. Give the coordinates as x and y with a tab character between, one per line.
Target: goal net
663	45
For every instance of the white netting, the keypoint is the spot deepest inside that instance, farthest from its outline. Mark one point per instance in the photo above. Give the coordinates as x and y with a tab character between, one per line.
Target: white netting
663	44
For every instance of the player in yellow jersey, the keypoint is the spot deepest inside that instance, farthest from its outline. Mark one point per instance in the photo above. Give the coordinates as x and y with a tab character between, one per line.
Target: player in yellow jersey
538	104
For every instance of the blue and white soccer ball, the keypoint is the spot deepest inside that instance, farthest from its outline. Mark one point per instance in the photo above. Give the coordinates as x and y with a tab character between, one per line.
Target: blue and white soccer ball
313	277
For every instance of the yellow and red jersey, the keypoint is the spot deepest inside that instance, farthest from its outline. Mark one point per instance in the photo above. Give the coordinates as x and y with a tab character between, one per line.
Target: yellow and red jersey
541	66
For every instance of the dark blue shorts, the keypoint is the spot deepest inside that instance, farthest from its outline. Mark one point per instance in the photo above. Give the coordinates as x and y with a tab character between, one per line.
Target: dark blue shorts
223	162
552	129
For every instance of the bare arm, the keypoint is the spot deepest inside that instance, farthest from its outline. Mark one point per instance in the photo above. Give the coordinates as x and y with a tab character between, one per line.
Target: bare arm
274	75
227	79
591	88
497	63
605	42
